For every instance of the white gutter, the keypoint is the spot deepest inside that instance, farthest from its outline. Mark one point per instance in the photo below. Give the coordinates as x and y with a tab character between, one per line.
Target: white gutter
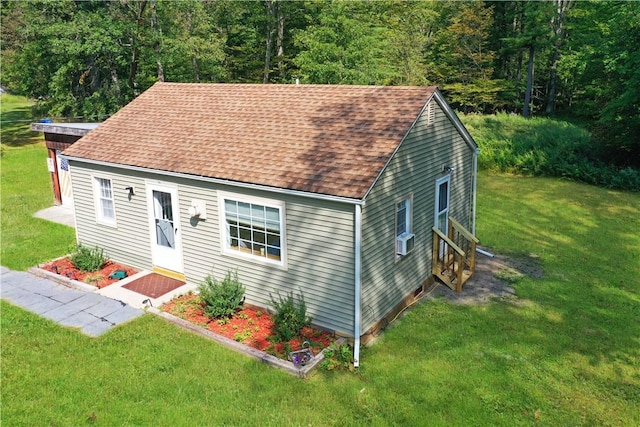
474	190
278	190
358	285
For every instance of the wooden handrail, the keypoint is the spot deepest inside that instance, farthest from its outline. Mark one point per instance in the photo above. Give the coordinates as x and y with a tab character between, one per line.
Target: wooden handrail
450	264
448	241
460	229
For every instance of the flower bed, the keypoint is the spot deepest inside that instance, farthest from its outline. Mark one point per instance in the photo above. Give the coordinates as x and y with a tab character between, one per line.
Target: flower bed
249	325
99	278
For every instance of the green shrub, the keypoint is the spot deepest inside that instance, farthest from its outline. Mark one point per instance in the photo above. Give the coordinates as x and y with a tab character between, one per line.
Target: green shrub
338	357
222	299
88	259
545	147
290	316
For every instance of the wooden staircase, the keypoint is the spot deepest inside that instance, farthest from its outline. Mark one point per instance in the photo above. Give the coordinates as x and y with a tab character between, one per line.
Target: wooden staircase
454	255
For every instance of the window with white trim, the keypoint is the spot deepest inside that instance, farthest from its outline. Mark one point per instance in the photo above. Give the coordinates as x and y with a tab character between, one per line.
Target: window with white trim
105	207
253	227
404	237
403	217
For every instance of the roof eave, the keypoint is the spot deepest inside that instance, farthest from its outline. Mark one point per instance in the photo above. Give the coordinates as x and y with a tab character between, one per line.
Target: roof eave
64	128
455	120
238	184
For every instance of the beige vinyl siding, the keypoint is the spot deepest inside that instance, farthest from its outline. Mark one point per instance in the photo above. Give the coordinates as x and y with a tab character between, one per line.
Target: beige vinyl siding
319	252
127	242
412	171
319	241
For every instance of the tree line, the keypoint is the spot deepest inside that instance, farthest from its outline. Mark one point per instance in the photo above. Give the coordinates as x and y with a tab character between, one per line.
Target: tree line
558	57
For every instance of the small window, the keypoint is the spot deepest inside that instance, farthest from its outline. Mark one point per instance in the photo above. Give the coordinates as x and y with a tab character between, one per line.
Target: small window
404	237
403	218
253	228
105	207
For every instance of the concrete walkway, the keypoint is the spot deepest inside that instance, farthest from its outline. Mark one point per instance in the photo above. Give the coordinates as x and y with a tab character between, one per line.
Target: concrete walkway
59	214
93	314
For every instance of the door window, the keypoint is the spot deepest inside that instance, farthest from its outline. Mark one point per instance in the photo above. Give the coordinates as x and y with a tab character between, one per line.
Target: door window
163	212
442	208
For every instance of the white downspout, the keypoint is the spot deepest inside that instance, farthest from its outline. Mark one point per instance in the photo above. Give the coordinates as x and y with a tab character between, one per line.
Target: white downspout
358	284
474	190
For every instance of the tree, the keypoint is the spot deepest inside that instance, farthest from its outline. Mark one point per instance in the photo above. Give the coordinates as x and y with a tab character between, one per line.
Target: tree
192	47
604	73
462	61
412	26
346	45
557	24
137	10
275	28
89	58
522	40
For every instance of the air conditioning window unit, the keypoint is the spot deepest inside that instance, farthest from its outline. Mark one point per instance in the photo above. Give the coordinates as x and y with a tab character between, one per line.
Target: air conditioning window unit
404	243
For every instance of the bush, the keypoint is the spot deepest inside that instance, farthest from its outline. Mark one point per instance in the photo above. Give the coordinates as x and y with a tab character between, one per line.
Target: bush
88	259
545	147
290	317
338	357
222	299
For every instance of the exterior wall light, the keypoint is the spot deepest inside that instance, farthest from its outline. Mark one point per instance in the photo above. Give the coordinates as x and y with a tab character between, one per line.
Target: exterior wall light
448	169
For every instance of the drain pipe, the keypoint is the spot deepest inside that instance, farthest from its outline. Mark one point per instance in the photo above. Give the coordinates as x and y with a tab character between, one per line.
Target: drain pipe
485	253
474	193
474	190
358	284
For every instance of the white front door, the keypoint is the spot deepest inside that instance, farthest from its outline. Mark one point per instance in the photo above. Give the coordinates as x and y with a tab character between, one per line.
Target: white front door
443	189
164	218
64	180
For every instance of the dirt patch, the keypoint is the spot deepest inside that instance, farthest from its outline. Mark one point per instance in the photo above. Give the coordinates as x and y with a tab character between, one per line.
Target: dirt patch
492	279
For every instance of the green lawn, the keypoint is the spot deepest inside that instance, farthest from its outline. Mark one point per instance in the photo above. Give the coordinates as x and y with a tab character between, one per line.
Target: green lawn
26	188
567	352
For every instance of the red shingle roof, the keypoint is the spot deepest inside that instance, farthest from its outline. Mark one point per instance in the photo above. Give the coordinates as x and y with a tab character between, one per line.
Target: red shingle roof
327	139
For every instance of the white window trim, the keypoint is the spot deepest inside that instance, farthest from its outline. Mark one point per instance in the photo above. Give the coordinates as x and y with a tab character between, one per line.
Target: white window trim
97	194
224	238
409	222
439	182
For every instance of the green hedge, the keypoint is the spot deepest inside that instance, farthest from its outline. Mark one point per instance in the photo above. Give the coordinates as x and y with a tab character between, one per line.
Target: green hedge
544	147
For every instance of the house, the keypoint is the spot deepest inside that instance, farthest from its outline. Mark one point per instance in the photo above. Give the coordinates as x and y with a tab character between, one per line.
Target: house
328	190
58	137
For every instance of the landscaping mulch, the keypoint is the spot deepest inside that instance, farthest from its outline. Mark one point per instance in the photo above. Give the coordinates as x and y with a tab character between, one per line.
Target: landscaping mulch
251	326
99	278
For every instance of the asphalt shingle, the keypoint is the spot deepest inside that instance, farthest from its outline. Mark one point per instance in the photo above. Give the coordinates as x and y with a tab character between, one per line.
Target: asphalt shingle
327	139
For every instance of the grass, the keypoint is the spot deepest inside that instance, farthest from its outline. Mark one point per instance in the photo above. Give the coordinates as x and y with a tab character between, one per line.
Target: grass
545	147
509	142
26	188
16	115
566	353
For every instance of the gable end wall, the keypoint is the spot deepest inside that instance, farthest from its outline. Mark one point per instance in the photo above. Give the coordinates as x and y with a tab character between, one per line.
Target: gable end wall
413	171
